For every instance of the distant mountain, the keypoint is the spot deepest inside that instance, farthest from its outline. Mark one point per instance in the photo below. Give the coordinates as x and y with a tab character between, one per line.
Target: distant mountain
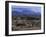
24	12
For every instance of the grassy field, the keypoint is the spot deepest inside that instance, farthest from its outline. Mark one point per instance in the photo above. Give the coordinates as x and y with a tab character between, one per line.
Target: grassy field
26	23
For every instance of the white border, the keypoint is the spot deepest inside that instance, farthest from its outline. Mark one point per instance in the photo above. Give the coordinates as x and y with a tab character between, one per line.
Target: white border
29	31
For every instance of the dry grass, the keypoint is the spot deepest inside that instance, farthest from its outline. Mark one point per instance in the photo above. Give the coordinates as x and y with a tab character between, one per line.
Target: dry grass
25	24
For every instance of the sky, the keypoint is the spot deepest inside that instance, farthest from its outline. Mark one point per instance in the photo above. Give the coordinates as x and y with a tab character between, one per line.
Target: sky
26	10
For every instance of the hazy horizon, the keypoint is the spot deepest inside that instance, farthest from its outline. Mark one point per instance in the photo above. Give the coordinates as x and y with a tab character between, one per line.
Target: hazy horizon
26	10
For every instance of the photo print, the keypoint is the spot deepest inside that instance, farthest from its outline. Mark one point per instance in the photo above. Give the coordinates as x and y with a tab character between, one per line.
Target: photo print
26	18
